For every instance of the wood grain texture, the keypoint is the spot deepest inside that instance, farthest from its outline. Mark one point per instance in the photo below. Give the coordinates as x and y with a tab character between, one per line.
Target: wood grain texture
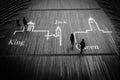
17	67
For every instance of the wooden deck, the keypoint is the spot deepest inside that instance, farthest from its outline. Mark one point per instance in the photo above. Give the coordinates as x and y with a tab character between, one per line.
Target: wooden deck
39	58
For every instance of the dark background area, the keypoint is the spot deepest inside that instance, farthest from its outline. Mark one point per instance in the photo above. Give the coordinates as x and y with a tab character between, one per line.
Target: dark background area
112	10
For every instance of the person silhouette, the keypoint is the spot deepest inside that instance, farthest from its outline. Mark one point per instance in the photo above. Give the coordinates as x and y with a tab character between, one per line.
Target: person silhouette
82	44
72	39
25	23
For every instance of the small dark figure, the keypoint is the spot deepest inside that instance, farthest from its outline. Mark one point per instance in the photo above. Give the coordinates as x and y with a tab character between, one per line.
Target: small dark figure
82	44
72	39
25	23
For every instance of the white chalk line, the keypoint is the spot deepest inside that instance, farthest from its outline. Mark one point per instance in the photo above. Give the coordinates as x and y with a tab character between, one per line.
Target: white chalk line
19	31
57	34
91	20
31	28
58	30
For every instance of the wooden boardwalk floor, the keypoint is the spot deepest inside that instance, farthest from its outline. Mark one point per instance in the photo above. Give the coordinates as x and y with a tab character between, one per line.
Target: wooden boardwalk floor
40	59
